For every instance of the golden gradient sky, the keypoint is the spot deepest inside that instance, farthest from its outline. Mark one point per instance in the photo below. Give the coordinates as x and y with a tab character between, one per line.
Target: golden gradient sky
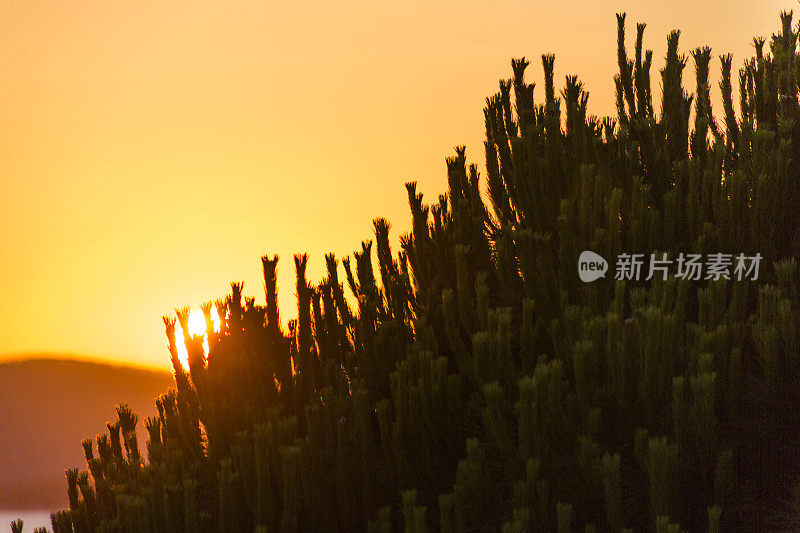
152	151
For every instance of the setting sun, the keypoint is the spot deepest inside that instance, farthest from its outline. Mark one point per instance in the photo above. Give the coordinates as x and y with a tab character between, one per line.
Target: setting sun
197	326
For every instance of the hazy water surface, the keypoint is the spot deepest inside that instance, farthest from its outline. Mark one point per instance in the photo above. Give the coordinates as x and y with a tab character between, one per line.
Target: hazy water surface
32	518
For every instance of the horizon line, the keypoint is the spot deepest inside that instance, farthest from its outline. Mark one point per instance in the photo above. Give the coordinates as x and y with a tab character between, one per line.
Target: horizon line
44	355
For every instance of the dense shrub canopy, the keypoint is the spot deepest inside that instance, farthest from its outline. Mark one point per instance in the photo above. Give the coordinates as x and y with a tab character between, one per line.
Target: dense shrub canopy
474	382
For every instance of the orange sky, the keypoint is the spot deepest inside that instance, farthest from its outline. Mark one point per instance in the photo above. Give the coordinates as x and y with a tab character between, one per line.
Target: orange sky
152	151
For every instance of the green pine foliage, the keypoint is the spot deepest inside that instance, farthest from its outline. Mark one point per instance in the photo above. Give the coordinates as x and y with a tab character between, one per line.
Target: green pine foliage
473	382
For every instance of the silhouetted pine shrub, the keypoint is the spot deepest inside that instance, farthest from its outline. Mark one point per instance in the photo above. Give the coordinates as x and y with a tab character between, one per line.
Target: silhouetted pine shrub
476	384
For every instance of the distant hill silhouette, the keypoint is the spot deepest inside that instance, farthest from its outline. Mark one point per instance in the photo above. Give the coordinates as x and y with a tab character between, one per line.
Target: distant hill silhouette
47	406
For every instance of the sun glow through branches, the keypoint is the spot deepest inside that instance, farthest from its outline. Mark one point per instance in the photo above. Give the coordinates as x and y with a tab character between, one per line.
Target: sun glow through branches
196	326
